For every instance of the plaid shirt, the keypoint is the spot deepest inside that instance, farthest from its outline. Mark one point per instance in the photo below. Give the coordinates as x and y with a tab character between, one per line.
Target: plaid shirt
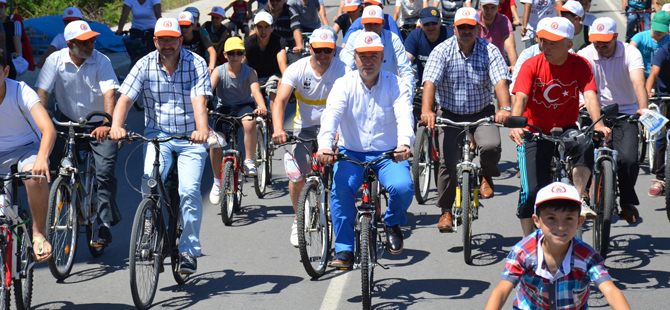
464	83
167	99
538	289
287	23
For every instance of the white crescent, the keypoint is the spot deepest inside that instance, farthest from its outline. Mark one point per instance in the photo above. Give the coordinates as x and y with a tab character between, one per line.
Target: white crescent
546	93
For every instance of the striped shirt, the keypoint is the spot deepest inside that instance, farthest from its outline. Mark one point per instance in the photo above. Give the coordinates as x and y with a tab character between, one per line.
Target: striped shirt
167	99
463	83
568	289
287	23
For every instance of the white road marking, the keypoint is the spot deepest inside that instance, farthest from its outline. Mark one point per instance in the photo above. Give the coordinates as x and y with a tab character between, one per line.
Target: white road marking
334	292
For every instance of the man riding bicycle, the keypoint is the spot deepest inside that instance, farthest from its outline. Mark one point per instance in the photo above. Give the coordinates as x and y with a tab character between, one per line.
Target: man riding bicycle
84	81
312	78
460	74
373	111
547	93
619	74
175	104
312	14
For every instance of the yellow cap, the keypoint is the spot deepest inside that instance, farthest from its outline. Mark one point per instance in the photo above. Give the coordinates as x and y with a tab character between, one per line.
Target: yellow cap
234	43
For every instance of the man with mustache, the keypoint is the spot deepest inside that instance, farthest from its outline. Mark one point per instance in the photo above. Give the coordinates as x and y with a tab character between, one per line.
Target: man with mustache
84	81
618	70
175	84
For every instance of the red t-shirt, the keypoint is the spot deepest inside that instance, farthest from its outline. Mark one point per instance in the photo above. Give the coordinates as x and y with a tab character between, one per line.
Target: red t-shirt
506	9
553	91
239	11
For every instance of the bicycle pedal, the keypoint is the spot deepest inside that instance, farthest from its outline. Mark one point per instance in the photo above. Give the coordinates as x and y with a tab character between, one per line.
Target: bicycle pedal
384	267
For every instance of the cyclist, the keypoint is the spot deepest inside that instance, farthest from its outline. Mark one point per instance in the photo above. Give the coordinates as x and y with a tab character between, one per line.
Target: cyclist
533	12
406	14
238	92
546	107
84	81
389	23
352	11
395	56
195	40
465	99
218	33
574	12
648	42
143	20
286	25
633	18
265	53
424	39
660	75
312	13
239	19
312	78
496	28
449	8
373	111
58	43
508	8
619	74
183	111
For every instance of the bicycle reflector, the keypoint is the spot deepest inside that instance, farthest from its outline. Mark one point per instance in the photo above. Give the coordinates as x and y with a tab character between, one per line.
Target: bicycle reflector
291	167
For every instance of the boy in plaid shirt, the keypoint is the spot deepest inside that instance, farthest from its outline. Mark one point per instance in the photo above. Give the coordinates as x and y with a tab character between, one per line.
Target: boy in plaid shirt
552	267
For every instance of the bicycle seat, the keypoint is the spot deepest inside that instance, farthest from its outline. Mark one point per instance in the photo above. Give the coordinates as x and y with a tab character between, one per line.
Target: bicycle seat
556	131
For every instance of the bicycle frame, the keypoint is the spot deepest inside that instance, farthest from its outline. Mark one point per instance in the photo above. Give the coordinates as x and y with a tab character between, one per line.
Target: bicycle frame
369	207
70	168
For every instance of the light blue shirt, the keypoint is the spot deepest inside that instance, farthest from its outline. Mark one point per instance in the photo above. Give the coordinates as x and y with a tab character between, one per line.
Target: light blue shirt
395	60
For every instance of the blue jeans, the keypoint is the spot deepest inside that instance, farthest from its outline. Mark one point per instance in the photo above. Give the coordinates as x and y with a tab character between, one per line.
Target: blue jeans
347	178
191	162
632	21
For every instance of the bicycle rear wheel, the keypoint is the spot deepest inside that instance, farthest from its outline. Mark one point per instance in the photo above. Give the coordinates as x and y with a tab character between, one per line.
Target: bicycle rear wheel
367	269
603	196
260	181
228	196
62	229
466	217
145	255
421	165
313	232
23	289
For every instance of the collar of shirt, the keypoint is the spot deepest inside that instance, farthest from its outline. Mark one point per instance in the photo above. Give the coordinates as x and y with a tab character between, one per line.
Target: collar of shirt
90	60
561	272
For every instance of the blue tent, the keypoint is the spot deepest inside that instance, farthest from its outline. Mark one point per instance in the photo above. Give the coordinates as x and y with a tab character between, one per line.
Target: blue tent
53	25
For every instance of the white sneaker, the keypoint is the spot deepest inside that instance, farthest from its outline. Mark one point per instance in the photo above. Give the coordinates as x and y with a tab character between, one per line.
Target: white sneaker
587	211
249	168
215	194
294	234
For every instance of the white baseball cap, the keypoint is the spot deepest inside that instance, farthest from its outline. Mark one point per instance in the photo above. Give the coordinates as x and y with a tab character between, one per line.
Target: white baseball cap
556	29
167	27
217	11
185	19
368	42
573	7
263	17
351	5
372	14
72	13
484	2
602	29
557	190
466	16
79	30
666	7
322	38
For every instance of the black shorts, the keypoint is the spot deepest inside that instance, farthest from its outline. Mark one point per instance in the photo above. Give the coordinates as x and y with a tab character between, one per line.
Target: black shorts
238	110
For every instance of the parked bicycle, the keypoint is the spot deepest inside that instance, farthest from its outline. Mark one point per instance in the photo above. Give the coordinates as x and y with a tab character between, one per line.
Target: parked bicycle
73	199
264	154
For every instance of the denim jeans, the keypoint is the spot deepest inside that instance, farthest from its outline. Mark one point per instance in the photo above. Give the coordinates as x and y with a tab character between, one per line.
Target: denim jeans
347	178
191	162
632	21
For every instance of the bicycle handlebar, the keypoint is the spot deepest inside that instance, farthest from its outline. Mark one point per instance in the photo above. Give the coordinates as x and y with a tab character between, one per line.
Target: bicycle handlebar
445	122
133	136
658	98
82	121
295	139
378	159
21	175
231	119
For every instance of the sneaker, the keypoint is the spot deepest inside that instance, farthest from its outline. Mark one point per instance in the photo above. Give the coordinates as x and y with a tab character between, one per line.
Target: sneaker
215	194
104	237
344	259
189	265
249	168
294	234
587	211
657	188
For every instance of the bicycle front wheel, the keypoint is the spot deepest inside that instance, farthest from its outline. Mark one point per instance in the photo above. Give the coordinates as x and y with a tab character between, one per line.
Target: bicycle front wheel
421	165
641	143
604	201
228	196
261	161
145	255
313	232
23	289
367	269
466	217
62	228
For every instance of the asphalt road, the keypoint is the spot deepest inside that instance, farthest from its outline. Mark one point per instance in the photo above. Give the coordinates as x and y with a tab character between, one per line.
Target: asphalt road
251	264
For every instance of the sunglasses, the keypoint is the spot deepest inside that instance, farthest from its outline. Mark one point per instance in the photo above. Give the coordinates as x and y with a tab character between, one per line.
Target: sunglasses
324	50
170	40
84	43
238	53
463	27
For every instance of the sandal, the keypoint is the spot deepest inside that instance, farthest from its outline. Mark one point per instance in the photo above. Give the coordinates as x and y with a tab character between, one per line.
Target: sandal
39	249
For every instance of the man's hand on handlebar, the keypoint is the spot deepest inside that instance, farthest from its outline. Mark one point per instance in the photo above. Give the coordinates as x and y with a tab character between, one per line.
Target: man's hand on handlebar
100	133
516	134
398	157
428	118
326	159
117	133
199	136
279	137
604	129
297	49
261	111
501	116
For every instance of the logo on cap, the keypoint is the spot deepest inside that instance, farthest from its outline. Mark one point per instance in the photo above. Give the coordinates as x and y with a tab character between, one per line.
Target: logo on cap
83	27
349	1
70	12
323	36
600	27
215	9
554	25
372	12
368	40
433	12
167	24
466	13
558	189
182	16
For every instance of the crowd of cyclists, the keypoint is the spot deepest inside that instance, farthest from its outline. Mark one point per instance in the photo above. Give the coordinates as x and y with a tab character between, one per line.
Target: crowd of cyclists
357	99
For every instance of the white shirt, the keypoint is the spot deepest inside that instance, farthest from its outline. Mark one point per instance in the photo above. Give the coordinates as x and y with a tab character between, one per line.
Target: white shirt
311	91
376	119
143	14
59	42
612	75
14	110
409	12
540	9
78	90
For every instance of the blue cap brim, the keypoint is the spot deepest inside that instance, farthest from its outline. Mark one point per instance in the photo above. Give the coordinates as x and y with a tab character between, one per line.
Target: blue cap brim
432	19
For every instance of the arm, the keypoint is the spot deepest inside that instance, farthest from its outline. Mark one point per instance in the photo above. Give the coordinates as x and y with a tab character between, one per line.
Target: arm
593	107
468	3
339	10
425	4
278	112
515	16
526	17
499	295
396	13
347	53
44	96
44	57
337	104
633	43
653	75
510	47
282	60
427	103
200	116
124	17
256	93
297	36
119	117
157	10
17	45
624	4
520	100
336	26
502	92
637	77
402	109
212	59
46	127
100	133
322	15
214	79
410	57
614	296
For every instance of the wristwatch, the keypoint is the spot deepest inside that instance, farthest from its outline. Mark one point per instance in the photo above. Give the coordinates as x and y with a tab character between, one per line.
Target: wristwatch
508	109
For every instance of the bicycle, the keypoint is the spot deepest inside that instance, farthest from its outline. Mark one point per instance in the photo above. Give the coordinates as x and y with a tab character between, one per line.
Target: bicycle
151	240
639	26
370	227
232	173
16	249
305	44
72	200
264	154
647	142
466	207
314	213
426	154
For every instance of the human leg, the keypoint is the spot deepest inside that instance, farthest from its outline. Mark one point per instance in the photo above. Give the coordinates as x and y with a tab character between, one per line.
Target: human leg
396	179
450	152
105	155
346	181
191	161
631	21
534	158
490	148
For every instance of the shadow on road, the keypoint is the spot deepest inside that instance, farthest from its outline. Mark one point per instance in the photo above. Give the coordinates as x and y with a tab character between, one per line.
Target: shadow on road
629	253
53	305
251	214
489	249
